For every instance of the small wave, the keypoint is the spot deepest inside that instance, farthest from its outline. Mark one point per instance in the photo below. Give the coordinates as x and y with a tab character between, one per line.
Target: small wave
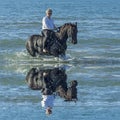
24	58
118	76
98	103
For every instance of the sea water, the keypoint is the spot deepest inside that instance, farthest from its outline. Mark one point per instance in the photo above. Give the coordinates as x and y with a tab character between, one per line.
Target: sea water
94	62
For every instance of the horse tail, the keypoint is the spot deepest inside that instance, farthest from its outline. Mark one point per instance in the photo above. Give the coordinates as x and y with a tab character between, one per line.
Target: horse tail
30	46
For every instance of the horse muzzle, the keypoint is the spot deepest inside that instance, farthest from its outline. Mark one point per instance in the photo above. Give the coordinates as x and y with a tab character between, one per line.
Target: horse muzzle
74	42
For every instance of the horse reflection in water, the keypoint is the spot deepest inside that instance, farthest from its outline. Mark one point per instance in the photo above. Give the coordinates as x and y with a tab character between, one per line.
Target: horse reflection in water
51	82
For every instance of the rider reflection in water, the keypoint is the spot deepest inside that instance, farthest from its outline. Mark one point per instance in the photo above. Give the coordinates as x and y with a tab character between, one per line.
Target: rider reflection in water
47	103
47	27
47	94
52	82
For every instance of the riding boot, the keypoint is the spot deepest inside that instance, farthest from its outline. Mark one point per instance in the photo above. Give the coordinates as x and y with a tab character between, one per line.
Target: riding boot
45	46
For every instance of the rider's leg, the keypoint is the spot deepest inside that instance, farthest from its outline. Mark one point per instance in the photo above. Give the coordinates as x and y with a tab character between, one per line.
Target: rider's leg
45	32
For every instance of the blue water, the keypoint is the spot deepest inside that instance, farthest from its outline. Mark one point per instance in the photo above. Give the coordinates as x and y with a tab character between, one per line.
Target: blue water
94	62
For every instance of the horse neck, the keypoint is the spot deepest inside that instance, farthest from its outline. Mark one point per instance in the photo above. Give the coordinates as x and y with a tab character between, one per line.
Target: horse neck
62	35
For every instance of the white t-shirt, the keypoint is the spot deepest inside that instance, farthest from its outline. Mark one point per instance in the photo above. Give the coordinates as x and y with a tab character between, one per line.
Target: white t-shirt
47	100
47	23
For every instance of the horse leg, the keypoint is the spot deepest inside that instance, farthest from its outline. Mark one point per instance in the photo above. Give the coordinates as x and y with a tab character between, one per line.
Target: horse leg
63	56
40	51
30	48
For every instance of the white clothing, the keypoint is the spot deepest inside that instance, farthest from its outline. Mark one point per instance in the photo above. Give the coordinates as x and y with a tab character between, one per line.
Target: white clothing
47	23
47	101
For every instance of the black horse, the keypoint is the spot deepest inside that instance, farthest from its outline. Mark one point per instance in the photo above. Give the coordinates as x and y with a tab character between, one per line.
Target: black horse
57	43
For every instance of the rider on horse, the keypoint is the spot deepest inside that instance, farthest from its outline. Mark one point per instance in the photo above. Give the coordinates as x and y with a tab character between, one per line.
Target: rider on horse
47	28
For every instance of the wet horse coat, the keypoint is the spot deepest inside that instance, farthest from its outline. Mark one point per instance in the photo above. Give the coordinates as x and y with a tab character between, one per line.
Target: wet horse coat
57	45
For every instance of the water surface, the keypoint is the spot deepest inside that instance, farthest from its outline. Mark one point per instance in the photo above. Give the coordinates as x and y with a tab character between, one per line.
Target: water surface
94	62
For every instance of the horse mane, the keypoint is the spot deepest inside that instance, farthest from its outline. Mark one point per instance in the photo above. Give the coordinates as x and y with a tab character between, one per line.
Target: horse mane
67	24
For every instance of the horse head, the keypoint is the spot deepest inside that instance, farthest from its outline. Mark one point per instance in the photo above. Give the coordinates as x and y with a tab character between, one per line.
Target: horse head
70	30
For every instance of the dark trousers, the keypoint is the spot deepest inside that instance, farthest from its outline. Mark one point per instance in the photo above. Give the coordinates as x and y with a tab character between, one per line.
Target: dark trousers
46	34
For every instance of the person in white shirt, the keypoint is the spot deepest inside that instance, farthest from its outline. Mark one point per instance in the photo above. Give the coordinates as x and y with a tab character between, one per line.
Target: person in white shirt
47	26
